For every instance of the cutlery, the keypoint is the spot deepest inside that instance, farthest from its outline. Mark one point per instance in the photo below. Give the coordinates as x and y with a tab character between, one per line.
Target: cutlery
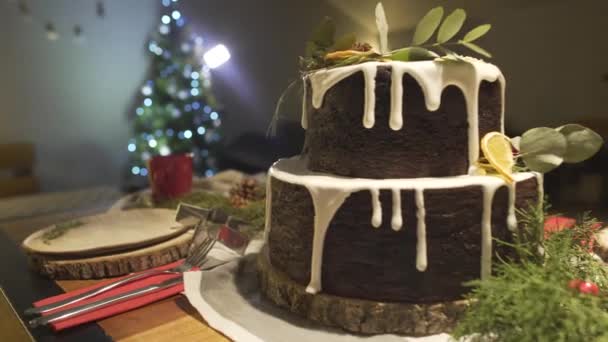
193	260
210	264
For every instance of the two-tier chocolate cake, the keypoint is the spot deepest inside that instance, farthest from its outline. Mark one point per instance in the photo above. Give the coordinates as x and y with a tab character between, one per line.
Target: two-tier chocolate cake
384	216
383	205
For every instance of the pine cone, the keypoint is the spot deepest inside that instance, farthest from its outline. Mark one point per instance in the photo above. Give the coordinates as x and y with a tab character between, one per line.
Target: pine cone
245	192
363	47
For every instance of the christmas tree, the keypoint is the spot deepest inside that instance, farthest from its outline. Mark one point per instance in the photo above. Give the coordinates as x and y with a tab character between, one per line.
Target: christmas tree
178	112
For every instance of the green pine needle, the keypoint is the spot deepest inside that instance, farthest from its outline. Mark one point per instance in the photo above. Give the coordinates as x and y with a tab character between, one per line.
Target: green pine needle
529	299
252	213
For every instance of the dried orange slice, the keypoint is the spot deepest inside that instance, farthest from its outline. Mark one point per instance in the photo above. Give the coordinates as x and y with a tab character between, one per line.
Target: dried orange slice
496	148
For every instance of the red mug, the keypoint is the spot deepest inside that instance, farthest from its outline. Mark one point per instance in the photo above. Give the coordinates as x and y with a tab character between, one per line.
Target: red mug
170	176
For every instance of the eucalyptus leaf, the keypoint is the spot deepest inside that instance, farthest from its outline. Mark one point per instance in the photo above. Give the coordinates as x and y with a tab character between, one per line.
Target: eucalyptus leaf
477	33
382	25
413	53
583	142
476	48
451	25
323	35
515	142
427	26
344	43
542	149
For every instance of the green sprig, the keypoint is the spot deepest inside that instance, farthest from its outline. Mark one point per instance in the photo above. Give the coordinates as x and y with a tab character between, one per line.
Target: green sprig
450	27
59	230
529	299
252	213
542	149
323	42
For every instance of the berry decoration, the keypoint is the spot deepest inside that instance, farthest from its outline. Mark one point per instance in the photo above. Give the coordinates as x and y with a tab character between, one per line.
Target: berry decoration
584	287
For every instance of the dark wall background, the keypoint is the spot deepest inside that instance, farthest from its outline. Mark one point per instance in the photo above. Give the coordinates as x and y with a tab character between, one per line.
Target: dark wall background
71	99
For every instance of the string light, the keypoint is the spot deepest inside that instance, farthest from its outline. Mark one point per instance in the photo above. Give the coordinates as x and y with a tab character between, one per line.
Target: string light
165	19
194	92
152	143
131	147
135	170
209	173
139	111
196	105
207	109
188	108
194	84
166	3
169	132
201	130
182	94
176	15
147	102
187	134
164	29
214	116
146	90
143	171
187	72
195	75
164	150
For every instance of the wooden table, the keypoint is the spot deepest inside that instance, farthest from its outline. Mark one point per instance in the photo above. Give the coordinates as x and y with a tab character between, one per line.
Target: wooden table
172	319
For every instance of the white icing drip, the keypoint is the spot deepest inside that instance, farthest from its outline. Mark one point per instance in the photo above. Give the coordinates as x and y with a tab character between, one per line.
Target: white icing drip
326	202
432	76
268	209
486	231
541	189
541	205
511	218
376	208
329	192
323	80
421	256
304	109
397	219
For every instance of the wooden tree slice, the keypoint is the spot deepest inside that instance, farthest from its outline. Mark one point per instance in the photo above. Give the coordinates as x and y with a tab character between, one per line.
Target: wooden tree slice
106	233
356	315
112	265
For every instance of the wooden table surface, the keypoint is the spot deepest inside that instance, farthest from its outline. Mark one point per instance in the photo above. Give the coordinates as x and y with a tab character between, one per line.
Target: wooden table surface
172	319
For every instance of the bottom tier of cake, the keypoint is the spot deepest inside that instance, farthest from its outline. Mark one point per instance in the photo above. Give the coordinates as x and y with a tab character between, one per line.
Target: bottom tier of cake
358	315
394	240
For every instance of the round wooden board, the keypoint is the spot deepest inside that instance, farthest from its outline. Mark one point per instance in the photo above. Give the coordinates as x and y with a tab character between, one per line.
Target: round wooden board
107	233
112	265
356	315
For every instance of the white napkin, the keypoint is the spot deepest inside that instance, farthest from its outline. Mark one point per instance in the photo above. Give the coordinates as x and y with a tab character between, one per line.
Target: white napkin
229	299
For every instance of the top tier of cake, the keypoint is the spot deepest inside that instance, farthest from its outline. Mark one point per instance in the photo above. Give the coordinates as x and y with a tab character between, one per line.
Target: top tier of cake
401	119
